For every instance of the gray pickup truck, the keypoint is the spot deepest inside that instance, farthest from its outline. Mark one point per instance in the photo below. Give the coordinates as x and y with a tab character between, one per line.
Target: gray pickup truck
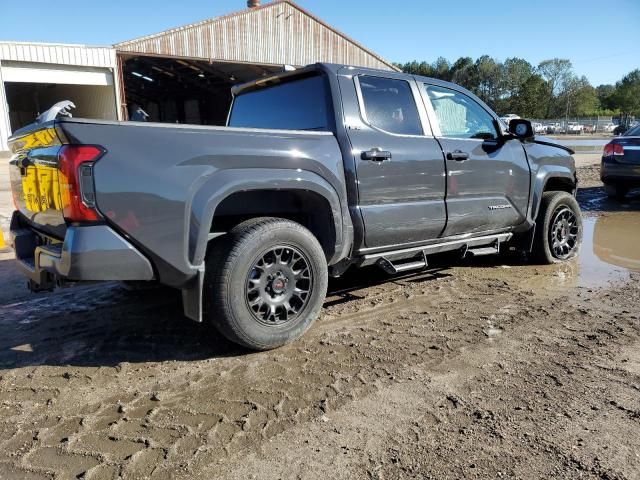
318	170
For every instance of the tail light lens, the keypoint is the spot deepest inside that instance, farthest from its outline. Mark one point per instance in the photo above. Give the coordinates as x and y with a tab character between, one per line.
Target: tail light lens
613	149
75	164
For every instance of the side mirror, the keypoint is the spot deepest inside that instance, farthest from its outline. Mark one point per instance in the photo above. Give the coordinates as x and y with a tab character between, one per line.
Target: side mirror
521	128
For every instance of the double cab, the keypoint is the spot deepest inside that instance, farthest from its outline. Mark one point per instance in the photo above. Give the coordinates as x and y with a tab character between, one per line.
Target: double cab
318	170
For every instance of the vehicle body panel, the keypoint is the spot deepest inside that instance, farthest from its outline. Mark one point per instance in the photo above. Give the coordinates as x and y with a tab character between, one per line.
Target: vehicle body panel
166	201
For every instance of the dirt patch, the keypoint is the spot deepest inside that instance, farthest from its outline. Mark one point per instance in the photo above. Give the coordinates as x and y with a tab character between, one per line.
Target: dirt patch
463	371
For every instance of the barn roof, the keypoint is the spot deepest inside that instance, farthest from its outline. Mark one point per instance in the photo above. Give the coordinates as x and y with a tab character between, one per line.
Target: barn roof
277	33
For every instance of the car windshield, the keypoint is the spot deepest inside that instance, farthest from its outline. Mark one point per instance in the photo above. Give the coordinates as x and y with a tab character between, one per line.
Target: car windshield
633	132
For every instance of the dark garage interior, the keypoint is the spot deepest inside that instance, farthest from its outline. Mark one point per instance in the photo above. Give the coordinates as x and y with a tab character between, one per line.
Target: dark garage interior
179	90
27	100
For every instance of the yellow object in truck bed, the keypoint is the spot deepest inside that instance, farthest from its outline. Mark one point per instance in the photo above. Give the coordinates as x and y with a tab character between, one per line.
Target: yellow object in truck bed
41	189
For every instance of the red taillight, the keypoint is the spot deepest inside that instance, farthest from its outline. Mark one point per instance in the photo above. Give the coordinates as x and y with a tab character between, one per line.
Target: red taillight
612	148
70	159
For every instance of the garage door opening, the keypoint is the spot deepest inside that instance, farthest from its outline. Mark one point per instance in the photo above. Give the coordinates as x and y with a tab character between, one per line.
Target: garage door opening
28	100
177	90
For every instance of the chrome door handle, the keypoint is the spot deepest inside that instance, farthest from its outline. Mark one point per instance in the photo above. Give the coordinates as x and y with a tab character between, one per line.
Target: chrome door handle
458	156
376	155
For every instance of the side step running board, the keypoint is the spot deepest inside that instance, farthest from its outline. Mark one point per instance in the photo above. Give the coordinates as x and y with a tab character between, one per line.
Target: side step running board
413	258
391	268
488	250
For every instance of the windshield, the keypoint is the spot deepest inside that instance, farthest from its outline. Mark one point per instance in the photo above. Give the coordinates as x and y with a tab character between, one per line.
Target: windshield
633	132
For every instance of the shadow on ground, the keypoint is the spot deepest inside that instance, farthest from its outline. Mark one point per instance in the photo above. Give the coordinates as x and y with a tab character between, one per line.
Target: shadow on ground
107	324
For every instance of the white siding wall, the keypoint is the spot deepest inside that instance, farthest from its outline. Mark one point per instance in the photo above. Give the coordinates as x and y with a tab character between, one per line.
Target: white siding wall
84	63
80	55
5	126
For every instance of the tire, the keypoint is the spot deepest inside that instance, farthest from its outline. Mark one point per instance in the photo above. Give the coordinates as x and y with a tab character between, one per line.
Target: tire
245	278
616	192
550	229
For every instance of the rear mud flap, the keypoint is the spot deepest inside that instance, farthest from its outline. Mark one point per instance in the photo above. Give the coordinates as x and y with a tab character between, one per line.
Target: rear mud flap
192	297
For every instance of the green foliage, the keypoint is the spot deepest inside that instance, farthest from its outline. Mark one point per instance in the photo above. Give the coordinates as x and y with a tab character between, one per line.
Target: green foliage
529	99
549	90
626	95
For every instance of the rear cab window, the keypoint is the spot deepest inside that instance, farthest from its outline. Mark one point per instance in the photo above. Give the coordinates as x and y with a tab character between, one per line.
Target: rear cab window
389	105
298	104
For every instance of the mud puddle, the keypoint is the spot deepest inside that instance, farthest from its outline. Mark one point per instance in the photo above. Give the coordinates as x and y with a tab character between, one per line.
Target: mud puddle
610	252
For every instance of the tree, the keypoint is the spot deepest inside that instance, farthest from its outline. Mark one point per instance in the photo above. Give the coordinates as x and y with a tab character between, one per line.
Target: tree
626	96
488	80
530	99
583	100
442	69
463	73
516	72
604	94
556	72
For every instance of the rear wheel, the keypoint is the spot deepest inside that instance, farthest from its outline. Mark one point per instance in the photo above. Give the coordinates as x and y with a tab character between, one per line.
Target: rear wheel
558	228
265	282
617	192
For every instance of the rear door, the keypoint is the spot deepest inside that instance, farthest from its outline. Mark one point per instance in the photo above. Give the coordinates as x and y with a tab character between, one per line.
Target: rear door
487	180
399	164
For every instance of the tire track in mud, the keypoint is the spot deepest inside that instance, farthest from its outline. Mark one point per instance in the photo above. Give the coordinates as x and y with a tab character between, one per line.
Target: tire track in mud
178	417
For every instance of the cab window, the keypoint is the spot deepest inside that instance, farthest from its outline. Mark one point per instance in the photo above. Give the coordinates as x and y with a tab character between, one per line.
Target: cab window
389	105
300	104
458	115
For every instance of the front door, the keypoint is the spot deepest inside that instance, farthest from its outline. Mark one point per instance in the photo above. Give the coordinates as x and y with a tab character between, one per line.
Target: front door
487	179
399	164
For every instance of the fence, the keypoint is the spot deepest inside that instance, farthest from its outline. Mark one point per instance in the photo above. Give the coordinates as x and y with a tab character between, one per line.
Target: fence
580	125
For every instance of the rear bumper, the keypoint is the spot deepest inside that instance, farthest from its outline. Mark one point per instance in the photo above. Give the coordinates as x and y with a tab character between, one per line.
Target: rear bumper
612	172
88	253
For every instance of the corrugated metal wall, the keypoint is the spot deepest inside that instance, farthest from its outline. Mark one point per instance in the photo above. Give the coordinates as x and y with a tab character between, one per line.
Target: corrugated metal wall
81	58
5	125
278	33
58	54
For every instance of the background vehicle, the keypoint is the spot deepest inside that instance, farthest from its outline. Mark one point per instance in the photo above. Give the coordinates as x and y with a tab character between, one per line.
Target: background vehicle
575	128
620	167
554	128
320	169
539	128
508	117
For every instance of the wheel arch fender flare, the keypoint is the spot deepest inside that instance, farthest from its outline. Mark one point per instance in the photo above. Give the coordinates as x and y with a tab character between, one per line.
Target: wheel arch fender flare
217	187
551	174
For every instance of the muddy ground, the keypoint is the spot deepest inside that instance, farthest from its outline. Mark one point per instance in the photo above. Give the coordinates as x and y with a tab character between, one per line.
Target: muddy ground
485	369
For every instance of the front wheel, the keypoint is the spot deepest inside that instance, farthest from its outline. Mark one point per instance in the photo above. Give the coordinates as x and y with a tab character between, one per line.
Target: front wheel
558	228
265	283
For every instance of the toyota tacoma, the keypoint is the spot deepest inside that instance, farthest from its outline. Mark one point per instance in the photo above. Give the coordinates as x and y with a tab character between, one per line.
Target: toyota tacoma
318	170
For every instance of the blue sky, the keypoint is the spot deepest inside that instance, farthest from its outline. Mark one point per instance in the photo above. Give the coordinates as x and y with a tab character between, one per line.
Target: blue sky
599	37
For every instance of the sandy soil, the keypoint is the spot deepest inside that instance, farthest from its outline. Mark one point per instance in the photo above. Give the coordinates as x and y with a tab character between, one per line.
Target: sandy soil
485	369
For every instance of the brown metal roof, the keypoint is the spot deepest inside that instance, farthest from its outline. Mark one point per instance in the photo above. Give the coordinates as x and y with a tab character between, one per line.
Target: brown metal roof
276	33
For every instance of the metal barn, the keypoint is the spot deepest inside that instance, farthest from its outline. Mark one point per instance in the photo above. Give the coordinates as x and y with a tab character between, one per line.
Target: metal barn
181	75
185	74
